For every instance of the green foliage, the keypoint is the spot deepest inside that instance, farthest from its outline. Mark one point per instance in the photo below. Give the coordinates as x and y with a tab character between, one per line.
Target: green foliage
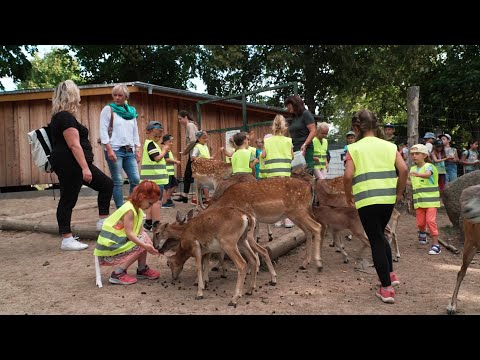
14	62
166	65
55	67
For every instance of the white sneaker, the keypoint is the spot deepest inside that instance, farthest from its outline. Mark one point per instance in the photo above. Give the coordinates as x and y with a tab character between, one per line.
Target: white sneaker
288	223
72	244
278	224
100	224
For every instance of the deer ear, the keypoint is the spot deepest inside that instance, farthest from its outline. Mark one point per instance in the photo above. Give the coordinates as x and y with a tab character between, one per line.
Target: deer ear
190	215
180	218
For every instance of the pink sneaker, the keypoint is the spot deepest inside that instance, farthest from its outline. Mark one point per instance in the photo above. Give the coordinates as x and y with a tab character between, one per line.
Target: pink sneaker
393	279
148	273
122	279
386	294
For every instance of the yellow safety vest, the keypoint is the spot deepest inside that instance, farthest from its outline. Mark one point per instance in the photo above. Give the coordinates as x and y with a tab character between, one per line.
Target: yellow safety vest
153	170
425	194
279	156
170	166
375	178
320	151
203	149
241	161
112	241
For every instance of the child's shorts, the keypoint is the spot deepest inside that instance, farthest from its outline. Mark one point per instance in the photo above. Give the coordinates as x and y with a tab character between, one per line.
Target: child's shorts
172	182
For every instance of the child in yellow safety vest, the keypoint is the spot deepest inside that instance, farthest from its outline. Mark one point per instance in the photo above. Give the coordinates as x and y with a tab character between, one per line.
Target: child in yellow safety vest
154	167
172	180
426	196
122	241
320	147
243	160
278	155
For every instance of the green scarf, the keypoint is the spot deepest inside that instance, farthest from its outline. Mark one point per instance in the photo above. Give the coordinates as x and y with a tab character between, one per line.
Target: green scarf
127	112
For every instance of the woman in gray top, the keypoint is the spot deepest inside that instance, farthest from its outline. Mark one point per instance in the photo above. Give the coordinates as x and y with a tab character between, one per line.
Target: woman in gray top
301	128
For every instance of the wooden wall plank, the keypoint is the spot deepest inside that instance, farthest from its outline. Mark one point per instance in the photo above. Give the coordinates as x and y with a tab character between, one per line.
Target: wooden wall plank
3	147
23	121
13	172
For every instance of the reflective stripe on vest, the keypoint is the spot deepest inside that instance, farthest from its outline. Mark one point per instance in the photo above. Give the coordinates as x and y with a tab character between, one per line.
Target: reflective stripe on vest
375	178
111	241
170	166
279	156
320	151
241	161
425	194
203	149
153	170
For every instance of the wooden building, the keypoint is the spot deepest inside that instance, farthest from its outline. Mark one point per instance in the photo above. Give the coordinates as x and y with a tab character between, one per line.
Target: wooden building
25	110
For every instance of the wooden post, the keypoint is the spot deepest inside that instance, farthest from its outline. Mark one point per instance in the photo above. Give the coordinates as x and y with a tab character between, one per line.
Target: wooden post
412	118
285	243
412	133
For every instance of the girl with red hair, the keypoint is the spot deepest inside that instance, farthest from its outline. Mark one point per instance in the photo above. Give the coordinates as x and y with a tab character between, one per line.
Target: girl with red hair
122	240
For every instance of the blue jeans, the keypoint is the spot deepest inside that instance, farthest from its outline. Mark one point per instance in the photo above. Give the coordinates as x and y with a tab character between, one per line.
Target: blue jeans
126	161
451	169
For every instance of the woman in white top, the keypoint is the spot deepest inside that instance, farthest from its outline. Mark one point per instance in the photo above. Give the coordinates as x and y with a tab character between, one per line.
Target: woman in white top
119	136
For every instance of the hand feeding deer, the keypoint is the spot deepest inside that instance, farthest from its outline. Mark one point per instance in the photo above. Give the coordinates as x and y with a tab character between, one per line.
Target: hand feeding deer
224	229
470	203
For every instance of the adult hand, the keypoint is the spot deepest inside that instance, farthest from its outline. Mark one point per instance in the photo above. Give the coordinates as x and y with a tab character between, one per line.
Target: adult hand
138	156
304	149
111	155
87	175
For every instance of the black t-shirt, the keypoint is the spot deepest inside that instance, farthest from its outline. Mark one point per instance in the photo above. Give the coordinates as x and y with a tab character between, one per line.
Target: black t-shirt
298	129
60	151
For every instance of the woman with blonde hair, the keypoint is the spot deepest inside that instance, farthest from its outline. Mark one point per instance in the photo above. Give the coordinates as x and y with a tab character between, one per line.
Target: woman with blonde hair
119	136
72	161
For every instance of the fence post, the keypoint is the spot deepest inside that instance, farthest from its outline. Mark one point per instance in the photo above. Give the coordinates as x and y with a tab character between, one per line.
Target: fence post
412	118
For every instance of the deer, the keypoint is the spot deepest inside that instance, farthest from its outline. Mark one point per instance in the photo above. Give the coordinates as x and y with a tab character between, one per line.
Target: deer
470	210
224	229
219	174
208	172
274	199
331	197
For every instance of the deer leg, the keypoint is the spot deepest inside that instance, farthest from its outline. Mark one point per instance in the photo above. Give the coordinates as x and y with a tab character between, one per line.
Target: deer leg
264	253
468	254
252	259
198	263
340	248
311	229
206	268
270	234
241	265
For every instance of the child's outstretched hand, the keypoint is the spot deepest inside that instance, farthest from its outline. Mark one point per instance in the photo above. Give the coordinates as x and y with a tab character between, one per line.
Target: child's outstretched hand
151	249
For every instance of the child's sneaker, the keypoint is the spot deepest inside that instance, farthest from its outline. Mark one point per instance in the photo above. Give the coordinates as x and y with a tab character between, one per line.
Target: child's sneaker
148	273
122	279
422	237
435	250
394	279
386	294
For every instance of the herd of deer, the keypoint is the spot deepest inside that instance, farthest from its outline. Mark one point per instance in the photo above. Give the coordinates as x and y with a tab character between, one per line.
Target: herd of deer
227	225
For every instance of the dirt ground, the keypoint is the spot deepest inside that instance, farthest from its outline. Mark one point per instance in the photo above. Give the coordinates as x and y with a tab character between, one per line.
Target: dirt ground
39	278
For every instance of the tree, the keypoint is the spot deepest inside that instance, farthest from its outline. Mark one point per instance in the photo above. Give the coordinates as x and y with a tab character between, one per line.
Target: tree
55	67
166	65
14	62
